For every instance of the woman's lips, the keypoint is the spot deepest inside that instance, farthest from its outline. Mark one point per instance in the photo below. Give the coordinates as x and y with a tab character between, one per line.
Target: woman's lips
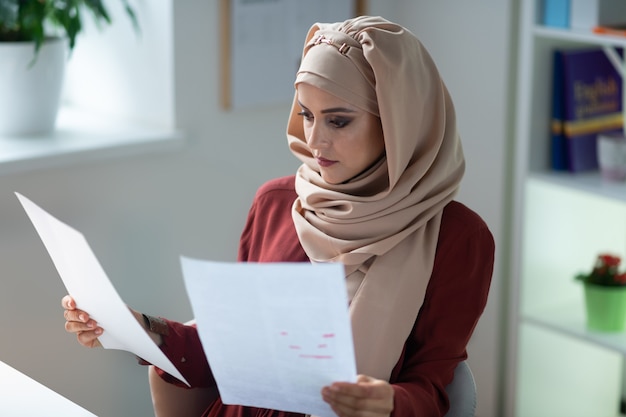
323	162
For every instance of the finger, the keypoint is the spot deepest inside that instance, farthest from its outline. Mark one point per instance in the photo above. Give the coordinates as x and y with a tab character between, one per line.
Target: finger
89	338
360	407
365	387
365	379
347	405
68	302
76	315
78	326
366	397
350	389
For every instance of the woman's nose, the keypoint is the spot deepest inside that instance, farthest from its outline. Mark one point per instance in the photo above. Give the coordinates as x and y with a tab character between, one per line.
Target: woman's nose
316	138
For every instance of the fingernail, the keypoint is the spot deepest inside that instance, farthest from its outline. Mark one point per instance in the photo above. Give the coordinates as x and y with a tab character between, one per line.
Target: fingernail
81	317
98	331
90	324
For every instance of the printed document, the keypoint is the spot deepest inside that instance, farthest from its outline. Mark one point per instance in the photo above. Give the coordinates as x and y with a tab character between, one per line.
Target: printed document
274	333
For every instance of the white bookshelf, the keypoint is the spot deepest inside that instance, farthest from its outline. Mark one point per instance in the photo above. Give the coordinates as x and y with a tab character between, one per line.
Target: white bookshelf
556	367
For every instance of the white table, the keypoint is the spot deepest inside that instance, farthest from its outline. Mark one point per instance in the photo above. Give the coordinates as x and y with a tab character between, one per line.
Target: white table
21	396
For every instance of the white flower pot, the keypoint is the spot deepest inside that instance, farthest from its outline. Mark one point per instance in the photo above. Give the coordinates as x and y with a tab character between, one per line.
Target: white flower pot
30	90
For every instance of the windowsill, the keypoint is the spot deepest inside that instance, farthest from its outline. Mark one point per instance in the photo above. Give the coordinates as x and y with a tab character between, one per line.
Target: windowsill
81	137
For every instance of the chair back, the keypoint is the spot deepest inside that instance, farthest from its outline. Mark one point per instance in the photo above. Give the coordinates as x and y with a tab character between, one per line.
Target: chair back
462	392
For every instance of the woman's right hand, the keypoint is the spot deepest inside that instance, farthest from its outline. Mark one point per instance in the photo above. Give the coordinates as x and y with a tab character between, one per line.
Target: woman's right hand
79	323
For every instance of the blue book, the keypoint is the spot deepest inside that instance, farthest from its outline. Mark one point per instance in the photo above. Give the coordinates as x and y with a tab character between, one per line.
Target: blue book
587	100
556	13
558	151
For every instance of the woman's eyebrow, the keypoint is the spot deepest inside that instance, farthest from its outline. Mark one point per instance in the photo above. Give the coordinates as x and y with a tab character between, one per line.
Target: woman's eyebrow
330	110
338	110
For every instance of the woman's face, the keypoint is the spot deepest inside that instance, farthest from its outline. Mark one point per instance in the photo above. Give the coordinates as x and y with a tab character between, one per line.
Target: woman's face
344	139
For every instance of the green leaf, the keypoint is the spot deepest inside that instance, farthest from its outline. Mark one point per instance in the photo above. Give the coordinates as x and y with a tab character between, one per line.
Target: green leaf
34	20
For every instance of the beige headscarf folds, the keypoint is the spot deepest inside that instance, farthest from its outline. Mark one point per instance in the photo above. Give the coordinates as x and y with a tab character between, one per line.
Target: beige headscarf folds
384	224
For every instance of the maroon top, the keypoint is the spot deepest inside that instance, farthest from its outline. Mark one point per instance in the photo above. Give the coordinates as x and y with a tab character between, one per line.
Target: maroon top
455	299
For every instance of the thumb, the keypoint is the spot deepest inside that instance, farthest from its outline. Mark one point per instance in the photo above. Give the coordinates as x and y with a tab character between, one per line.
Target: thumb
363	379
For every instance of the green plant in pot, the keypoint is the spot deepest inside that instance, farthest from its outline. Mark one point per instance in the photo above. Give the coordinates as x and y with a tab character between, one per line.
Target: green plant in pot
605	294
35	39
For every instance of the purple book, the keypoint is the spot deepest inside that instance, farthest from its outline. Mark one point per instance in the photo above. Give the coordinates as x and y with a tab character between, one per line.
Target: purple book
587	101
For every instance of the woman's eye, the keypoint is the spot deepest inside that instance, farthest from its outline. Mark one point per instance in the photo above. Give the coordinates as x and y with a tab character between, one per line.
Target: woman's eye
339	122
307	116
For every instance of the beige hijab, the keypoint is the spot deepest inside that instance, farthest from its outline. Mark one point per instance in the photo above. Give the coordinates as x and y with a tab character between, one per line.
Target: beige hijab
384	224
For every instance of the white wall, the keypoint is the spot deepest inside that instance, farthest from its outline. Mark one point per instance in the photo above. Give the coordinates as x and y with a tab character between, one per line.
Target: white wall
140	213
472	44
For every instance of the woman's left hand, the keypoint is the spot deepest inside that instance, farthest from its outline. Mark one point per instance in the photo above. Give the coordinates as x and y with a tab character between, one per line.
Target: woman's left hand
368	397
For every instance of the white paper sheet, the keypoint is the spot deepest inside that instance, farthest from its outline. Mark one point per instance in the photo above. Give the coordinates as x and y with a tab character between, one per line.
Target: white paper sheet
274	333
87	283
266	45
22	396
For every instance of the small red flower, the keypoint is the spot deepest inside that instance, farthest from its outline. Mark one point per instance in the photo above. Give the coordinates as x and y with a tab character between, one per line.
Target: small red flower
605	271
609	260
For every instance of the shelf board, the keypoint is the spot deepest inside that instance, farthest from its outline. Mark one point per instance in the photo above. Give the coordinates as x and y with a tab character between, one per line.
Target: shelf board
572	35
569	319
588	182
80	137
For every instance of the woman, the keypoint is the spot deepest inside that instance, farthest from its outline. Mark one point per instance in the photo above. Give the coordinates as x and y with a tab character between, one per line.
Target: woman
375	128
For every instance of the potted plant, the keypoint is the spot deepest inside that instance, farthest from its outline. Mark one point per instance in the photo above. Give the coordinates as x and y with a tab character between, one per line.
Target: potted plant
36	37
605	294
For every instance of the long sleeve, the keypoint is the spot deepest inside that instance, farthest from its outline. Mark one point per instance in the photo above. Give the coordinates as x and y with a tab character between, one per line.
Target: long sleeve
455	299
182	346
